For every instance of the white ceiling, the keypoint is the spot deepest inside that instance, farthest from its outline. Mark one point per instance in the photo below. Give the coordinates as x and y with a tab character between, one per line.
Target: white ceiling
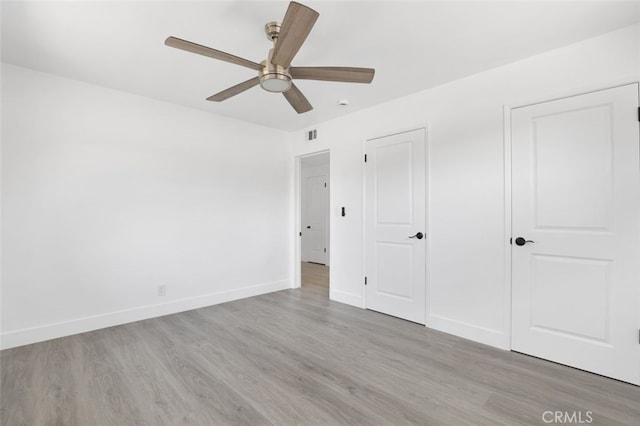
412	45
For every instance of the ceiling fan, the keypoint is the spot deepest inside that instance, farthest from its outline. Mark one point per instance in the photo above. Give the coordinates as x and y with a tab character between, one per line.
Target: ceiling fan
275	74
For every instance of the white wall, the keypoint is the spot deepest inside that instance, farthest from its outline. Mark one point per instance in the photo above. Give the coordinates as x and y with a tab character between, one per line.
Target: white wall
469	288
107	195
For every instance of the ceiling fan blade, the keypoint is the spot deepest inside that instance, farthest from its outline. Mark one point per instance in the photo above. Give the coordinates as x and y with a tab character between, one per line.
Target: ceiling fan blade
212	53
297	100
343	74
295	28
234	90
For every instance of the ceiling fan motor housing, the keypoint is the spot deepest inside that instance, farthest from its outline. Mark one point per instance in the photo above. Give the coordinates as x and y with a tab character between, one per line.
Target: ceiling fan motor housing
272	29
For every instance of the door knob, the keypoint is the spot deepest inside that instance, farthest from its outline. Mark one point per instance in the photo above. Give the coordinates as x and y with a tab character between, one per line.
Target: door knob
419	236
309	227
521	241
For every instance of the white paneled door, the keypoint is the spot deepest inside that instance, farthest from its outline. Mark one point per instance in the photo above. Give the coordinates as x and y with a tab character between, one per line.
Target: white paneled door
576	233
315	216
395	225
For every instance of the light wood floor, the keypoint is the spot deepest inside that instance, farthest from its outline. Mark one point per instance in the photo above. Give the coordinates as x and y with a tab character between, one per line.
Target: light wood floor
315	278
292	358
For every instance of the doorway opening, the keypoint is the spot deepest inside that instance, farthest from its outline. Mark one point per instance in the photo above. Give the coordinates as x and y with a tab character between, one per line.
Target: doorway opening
313	209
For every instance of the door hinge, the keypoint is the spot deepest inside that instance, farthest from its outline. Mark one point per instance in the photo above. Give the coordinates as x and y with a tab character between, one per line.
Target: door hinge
325	184
511	240
325	250
365	280
638	113
365	158
300	234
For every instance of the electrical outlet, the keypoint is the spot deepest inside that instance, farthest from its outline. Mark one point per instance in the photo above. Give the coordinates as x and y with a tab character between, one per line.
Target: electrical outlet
162	290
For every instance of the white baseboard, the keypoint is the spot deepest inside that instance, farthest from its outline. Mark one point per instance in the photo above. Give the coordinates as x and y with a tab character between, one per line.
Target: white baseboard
465	330
347	298
80	325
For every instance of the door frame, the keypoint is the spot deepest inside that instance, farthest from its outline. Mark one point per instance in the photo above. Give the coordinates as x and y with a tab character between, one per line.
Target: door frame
507	142
427	225
297	245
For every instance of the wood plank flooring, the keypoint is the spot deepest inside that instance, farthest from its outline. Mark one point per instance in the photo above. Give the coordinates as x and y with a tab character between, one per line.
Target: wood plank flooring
315	278
292	358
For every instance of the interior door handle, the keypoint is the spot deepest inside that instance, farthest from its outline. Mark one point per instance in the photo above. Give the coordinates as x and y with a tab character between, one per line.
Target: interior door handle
309	227
418	235
521	241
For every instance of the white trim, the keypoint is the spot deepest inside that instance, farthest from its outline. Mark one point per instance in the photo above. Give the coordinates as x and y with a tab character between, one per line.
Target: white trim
297	209
347	298
507	227
94	322
574	91
424	126
466	330
327	219
427	226
363	219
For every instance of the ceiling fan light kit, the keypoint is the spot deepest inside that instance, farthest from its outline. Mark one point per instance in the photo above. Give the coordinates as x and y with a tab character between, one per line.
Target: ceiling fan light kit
274	78
275	74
